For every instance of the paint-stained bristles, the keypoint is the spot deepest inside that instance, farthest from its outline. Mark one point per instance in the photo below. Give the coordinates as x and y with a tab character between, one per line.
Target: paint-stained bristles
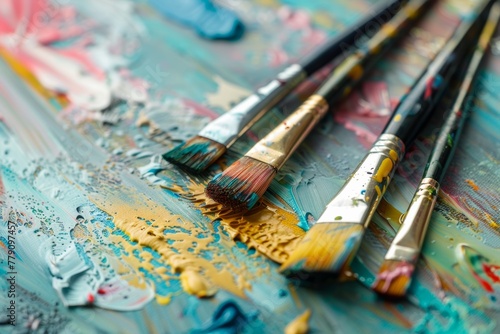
393	278
326	248
196	154
241	185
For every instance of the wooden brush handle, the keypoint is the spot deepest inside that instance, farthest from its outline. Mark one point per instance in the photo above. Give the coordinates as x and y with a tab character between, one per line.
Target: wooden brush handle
275	148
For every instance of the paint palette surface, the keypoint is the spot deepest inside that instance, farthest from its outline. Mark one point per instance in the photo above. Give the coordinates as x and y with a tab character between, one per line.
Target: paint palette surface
100	234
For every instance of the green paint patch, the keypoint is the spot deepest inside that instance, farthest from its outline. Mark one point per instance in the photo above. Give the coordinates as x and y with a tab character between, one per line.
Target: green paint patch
449	140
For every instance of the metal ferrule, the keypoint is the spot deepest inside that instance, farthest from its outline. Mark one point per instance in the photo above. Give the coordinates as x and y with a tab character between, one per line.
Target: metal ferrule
275	148
359	197
227	128
410	237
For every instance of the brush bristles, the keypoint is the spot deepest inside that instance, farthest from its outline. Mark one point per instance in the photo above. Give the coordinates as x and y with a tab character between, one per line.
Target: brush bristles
393	278
241	185
326	249
195	155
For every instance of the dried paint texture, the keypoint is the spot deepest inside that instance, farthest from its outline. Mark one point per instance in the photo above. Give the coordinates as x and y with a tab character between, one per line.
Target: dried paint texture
269	229
181	243
168	74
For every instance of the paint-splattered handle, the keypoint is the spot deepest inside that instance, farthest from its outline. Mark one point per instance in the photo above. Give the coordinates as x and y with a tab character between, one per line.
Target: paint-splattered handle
345	40
362	192
449	135
414	108
277	146
350	71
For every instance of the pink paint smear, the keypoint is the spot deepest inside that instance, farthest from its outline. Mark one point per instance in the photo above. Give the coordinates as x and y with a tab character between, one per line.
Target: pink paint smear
366	111
59	45
404	269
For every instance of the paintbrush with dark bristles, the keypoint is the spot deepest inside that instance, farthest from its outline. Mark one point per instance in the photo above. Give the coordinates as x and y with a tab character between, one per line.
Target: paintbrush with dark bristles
244	182
330	245
201	151
396	271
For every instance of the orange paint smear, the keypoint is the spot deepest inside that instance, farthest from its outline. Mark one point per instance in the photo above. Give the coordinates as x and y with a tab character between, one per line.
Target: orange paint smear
267	228
472	184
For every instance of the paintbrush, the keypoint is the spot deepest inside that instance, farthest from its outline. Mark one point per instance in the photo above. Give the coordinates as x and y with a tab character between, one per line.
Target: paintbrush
244	182
332	242
201	151
396	271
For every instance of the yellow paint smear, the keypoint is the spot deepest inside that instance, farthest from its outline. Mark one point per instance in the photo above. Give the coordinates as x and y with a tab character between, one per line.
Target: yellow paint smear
269	229
356	72
394	155
194	283
389	30
384	170
163	300
490	220
23	72
386	210
227	93
299	325
145	221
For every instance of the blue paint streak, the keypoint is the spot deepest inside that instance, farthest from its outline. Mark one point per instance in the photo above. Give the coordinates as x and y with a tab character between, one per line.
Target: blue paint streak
208	20
227	319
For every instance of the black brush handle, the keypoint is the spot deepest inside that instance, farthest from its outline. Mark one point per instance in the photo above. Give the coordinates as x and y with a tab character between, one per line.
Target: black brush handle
345	40
449	135
354	67
415	107
230	126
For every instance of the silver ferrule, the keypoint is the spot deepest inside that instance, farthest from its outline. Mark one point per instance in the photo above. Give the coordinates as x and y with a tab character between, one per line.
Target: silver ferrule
227	128
410	237
359	197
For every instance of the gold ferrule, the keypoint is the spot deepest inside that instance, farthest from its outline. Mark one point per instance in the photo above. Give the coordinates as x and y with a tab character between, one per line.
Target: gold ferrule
359	197
410	237
275	148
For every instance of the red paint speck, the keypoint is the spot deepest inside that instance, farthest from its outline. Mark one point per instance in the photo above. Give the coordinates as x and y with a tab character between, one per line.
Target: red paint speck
428	88
491	271
101	292
90	298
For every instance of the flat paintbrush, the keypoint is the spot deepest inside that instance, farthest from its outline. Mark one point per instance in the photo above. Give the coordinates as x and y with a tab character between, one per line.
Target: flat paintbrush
201	151
244	182
332	242
396	271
